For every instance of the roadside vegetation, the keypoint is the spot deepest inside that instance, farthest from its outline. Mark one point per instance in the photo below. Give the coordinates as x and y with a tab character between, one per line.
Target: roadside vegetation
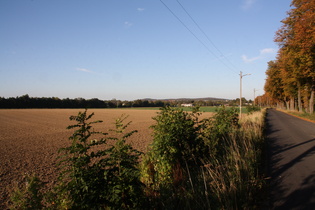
304	115
192	163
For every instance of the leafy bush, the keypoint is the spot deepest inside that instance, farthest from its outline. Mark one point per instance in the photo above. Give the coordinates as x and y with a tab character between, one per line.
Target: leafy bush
251	109
167	166
216	130
82	182
235	181
122	173
30	196
94	173
98	178
201	164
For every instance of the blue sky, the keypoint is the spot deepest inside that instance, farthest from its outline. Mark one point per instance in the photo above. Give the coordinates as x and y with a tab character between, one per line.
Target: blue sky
134	49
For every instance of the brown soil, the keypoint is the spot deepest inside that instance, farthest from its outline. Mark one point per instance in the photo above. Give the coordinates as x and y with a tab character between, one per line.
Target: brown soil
30	139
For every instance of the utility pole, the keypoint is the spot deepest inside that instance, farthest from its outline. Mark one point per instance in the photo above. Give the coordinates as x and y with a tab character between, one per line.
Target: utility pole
254	95
241	77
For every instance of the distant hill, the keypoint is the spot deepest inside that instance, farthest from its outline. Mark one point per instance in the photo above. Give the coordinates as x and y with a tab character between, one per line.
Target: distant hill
188	99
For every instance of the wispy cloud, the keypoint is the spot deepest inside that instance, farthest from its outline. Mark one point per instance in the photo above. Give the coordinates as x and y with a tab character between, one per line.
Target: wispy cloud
249	60
267	51
128	24
247	4
140	9
263	53
84	70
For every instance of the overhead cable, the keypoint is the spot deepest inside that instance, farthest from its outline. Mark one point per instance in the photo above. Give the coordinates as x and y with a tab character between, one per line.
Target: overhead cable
202	31
208	49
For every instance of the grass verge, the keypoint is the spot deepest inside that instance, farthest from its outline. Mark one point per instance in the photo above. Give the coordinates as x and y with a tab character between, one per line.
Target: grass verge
302	115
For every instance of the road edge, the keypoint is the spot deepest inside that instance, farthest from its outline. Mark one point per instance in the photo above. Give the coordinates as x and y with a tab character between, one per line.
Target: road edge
287	112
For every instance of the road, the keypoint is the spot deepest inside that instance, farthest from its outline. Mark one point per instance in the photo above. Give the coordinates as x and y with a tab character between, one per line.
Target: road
291	161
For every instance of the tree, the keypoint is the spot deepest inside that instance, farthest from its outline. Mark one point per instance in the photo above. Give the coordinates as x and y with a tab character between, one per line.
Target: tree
274	85
296	58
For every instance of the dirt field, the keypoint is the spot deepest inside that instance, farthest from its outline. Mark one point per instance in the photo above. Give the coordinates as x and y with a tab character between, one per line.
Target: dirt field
30	139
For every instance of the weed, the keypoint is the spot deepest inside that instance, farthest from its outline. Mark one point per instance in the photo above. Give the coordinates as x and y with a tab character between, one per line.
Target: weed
30	196
251	109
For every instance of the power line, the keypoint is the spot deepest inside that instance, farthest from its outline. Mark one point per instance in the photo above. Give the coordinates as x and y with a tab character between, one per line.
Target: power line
188	28
221	54
196	35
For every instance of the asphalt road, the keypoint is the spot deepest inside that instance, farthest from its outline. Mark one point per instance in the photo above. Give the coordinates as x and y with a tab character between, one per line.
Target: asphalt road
291	161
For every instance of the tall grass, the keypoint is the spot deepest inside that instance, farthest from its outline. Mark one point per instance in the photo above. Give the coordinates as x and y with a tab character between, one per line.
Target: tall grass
224	176
235	181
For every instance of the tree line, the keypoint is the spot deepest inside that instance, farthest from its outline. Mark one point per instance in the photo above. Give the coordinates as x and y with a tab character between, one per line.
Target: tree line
25	101
290	79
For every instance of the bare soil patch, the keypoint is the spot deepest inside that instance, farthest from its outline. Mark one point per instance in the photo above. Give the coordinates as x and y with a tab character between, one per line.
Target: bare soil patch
30	139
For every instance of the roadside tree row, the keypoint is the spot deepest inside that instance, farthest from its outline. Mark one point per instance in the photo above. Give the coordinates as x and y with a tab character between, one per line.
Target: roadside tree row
290	79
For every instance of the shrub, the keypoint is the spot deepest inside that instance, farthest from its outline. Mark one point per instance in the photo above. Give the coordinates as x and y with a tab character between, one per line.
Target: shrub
216	130
82	182
122	174
251	109
204	164
175	146
98	174
234	179
30	196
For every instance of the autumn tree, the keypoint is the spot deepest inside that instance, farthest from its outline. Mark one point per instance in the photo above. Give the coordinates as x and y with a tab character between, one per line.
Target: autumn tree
296	57
274	85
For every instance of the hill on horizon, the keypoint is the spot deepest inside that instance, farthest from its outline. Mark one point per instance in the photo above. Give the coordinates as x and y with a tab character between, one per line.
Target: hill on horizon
187	99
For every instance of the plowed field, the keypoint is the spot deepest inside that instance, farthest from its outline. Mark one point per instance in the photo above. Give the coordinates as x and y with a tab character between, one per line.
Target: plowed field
30	139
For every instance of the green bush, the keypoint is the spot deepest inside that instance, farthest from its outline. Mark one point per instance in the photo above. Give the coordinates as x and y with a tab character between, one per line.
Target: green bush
207	164
216	131
30	196
95	178
95	173
167	166
251	109
122	174
82	184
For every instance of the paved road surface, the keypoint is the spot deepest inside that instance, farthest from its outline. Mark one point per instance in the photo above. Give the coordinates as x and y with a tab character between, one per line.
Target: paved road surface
291	154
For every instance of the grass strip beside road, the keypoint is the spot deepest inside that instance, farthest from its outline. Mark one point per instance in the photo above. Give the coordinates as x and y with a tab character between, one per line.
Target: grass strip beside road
301	115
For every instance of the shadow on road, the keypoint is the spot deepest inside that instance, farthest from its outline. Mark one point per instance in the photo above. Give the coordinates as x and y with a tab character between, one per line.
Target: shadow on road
302	198
285	159
294	161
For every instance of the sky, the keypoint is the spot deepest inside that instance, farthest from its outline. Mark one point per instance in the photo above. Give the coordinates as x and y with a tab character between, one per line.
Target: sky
135	49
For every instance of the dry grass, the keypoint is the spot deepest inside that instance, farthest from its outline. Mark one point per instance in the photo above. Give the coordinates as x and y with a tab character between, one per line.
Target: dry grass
235	181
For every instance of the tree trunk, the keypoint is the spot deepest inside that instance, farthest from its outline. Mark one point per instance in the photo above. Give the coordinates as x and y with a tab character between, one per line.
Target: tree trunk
306	101
292	104
287	103
299	98
281	105
311	106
